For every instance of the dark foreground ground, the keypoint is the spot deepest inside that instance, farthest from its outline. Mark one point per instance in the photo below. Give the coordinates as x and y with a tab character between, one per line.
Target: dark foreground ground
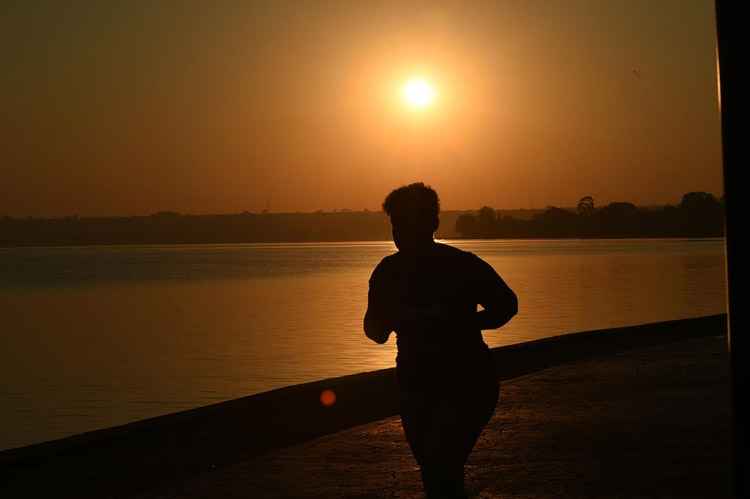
648	423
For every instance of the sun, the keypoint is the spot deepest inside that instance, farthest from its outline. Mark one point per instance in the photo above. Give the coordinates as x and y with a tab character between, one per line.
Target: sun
418	93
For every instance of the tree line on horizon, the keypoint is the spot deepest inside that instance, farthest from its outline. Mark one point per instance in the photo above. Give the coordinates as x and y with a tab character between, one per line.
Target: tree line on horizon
699	214
168	227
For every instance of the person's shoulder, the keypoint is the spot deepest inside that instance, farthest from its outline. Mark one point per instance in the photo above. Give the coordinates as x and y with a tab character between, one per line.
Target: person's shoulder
470	263
388	260
452	252
385	265
447	249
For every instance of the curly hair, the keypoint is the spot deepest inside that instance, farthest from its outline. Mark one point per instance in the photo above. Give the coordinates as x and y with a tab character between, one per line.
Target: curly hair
415	201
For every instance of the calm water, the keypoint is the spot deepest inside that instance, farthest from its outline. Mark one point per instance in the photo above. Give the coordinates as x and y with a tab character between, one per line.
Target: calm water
93	337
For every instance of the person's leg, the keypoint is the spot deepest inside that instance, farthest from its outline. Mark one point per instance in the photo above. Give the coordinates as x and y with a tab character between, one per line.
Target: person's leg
449	434
444	450
440	485
479	411
414	421
442	429
427	423
477	418
421	420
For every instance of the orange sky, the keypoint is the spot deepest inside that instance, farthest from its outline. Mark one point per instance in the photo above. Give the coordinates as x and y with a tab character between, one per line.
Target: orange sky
215	107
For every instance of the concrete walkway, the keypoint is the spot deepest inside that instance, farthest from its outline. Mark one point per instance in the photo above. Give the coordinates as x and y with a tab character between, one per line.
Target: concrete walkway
645	424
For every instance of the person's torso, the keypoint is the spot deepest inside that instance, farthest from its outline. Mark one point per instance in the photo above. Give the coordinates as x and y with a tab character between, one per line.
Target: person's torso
438	282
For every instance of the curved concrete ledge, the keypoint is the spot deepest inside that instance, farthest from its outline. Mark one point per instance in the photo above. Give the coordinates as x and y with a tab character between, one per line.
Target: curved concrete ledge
135	456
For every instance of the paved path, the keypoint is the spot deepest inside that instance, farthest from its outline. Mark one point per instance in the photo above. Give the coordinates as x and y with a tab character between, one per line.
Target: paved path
644	424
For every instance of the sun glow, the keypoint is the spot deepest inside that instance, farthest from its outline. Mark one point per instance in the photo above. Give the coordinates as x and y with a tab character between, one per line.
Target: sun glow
418	93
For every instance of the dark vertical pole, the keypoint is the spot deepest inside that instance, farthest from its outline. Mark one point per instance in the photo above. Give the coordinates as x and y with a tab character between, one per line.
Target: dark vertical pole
729	19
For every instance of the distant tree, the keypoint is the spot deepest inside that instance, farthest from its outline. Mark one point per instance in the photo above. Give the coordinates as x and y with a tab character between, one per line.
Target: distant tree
487	221
556	222
165	214
701	214
585	206
553	212
487	214
620	210
699	201
619	218
466	225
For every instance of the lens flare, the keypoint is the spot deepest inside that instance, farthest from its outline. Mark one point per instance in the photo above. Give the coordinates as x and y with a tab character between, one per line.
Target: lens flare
328	398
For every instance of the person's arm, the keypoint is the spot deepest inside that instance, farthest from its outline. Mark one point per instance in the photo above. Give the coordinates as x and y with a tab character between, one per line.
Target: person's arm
378	322
500	303
385	314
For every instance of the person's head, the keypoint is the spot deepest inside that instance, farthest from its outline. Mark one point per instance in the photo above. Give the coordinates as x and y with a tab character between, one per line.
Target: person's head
413	210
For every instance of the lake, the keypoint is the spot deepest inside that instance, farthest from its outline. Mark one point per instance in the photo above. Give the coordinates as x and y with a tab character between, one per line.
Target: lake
97	336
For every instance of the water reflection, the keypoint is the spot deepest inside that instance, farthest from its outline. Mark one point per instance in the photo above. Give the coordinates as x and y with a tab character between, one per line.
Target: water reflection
94	337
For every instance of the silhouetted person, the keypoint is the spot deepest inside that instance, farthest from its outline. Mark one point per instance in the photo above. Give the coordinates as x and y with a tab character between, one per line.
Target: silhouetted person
428	294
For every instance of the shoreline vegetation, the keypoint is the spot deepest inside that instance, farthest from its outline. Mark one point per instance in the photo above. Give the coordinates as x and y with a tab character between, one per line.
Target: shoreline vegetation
139	456
698	215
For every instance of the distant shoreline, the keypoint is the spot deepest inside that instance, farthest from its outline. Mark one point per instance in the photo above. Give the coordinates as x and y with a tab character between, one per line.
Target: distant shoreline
334	241
699	215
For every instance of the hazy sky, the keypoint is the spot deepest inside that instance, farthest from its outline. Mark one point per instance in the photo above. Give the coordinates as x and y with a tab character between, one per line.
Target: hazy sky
210	107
